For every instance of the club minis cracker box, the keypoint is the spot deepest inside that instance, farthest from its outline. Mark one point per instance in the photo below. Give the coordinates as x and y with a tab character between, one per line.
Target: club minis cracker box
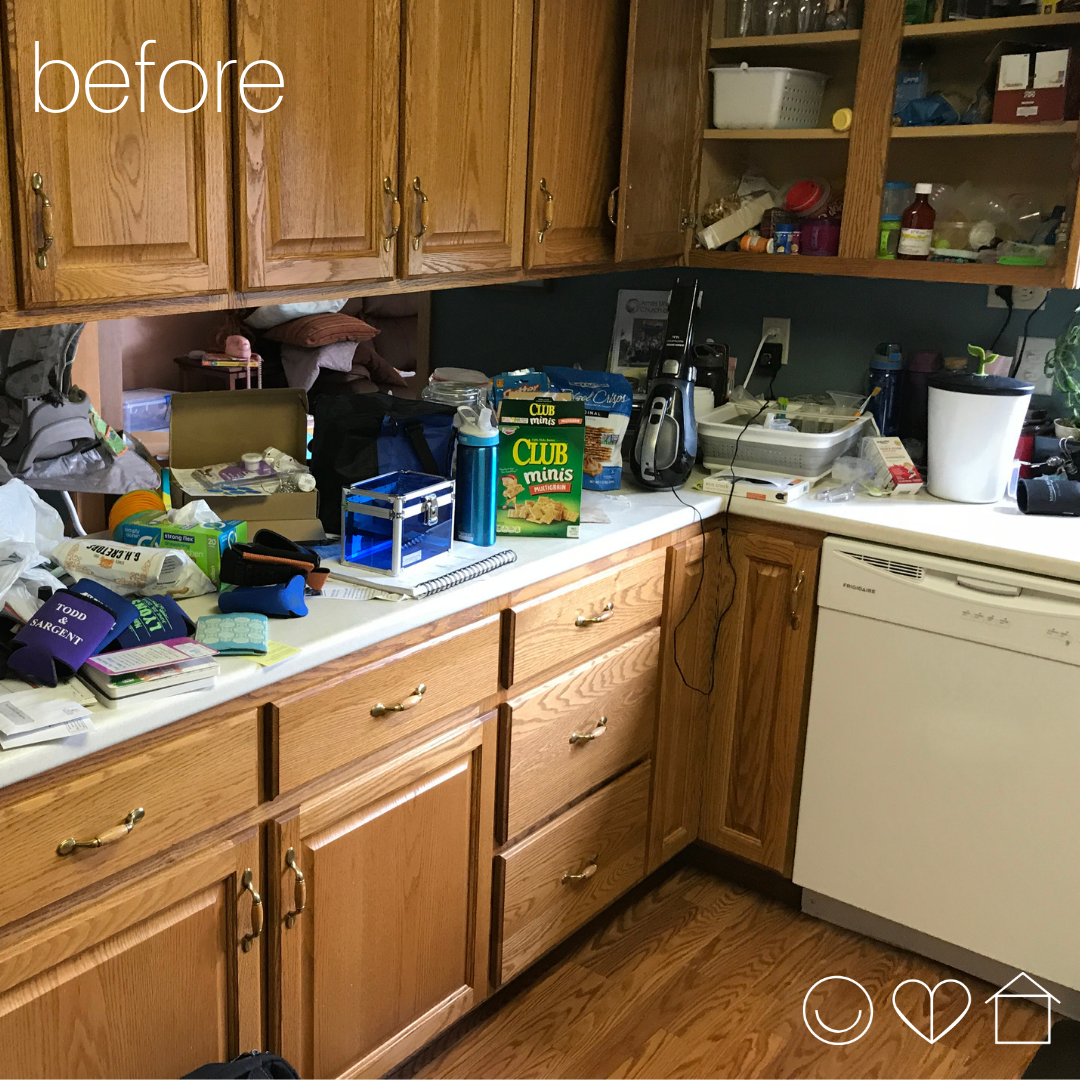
541	452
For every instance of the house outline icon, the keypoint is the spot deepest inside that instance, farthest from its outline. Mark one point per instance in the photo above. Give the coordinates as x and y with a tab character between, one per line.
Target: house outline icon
1039	991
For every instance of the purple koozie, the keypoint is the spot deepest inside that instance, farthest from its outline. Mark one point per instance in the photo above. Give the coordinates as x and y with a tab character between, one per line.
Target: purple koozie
62	635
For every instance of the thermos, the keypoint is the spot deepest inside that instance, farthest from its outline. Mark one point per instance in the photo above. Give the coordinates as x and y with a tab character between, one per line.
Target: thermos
477	447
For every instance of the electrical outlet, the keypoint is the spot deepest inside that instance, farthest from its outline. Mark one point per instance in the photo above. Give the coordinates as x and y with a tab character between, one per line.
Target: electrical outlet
770	359
1024	297
781	334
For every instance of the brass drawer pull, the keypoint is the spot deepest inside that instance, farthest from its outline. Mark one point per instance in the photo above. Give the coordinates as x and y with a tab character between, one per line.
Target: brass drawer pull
109	836
585	874
256	912
549	210
589	620
423	213
413	699
299	890
601	727
612	203
38	184
395	213
795	599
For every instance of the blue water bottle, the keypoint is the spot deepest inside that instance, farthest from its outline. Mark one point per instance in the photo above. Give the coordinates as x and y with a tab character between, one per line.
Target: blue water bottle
477	446
885	367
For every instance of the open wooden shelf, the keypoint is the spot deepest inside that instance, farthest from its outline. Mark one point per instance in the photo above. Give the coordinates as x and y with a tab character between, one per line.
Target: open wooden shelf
991	26
969	131
825	37
1047	277
775	133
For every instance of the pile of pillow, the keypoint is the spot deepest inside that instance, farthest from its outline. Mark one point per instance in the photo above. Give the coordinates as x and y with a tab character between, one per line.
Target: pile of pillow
316	337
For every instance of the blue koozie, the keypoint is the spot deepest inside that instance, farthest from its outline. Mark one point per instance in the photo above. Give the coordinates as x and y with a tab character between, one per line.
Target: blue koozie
477	448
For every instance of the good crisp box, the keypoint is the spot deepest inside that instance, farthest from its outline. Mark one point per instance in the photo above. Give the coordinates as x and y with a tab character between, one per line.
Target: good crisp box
541	452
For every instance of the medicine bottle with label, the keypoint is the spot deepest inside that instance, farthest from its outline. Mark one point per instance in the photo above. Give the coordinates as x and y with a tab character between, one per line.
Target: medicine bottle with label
917	226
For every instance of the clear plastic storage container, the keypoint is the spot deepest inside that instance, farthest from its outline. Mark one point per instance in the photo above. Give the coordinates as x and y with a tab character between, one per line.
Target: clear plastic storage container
147	409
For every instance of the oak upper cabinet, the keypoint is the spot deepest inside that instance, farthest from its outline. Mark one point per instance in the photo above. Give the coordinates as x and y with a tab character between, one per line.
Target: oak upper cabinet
754	759
113	202
579	61
318	198
664	114
151	978
384	906
688	676
465	134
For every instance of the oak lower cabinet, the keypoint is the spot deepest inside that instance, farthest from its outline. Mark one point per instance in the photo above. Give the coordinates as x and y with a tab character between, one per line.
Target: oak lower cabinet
153	977
382	913
124	196
758	711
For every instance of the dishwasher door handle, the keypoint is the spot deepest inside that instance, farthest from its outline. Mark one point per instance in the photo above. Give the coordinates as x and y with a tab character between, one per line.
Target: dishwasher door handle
994	588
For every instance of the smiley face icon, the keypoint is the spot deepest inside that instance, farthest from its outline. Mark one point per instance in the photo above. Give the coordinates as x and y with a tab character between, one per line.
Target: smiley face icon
837	1010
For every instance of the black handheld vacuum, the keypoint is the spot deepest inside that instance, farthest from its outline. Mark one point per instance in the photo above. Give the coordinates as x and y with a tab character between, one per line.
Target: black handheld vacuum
666	445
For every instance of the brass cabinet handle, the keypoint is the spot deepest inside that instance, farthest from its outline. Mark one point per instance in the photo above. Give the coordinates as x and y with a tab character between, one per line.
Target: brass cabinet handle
589	620
612	203
256	912
590	869
38	184
800	578
423	212
413	699
395	213
587	737
299	890
549	210
109	836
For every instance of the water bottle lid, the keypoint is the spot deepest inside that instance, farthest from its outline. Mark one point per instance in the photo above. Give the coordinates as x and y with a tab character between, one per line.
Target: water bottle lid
476	426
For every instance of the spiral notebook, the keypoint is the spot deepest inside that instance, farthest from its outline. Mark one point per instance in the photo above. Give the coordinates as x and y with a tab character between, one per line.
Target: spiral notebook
451	570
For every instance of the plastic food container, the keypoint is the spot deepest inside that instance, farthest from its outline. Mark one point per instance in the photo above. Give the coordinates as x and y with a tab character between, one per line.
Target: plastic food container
817	439
766	97
820	236
147	409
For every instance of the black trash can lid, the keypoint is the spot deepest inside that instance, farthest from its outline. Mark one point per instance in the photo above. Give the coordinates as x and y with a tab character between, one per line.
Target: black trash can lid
965	382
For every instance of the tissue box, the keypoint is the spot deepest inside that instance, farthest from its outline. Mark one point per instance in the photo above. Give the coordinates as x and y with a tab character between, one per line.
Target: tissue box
396	520
204	543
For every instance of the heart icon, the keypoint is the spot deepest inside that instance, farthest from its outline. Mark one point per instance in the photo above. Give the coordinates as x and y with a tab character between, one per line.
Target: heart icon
932	1037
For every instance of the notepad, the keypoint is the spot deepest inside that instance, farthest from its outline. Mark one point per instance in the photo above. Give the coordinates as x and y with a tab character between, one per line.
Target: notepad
455	569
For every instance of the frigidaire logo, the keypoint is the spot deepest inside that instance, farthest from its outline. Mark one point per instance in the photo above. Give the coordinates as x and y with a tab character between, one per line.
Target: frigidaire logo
120	73
858	588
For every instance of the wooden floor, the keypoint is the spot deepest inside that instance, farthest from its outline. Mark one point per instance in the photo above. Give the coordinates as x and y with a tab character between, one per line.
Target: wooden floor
702	978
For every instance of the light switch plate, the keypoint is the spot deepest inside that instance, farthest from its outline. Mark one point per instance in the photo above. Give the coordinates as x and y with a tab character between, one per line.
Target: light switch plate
1032	361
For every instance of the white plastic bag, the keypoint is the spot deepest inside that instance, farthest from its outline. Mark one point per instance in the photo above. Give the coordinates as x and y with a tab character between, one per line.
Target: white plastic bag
29	530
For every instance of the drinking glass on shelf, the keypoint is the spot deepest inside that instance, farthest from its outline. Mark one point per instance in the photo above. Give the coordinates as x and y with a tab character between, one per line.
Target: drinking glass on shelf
810	16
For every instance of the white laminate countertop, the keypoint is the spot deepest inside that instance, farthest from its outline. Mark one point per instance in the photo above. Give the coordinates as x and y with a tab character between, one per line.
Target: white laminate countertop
998	535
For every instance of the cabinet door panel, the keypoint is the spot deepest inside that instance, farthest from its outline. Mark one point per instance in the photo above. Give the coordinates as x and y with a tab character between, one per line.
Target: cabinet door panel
465	133
755	743
580	66
148	981
662	133
397	868
313	202
139	199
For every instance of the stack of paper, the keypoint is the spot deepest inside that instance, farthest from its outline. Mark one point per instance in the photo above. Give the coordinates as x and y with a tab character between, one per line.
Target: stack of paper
163	669
35	716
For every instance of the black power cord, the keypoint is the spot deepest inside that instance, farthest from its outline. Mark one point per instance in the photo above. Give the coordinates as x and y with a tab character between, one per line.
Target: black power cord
1022	344
727	558
1006	294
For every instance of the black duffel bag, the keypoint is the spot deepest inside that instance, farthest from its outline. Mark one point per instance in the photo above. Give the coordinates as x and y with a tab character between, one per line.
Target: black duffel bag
256	1065
358	436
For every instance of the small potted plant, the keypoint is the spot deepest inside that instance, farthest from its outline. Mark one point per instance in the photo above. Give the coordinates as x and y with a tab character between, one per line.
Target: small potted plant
1063	366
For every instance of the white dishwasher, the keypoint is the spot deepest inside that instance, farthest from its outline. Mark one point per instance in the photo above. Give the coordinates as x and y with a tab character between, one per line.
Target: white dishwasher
941	786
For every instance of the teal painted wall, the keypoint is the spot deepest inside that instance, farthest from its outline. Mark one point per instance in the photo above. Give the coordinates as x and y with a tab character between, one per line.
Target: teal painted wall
836	322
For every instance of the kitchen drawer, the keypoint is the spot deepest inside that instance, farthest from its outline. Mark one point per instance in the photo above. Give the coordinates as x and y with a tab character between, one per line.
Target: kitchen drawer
581	621
612	698
184	786
601	841
330	725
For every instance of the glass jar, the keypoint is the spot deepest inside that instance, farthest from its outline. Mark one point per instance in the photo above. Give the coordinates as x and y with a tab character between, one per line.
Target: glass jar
457	386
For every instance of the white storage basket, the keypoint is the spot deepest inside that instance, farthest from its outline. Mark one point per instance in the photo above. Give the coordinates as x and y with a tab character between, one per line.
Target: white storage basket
766	97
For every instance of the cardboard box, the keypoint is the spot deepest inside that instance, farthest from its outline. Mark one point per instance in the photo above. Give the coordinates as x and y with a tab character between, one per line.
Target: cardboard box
1036	87
541	454
216	426
204	543
894	471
